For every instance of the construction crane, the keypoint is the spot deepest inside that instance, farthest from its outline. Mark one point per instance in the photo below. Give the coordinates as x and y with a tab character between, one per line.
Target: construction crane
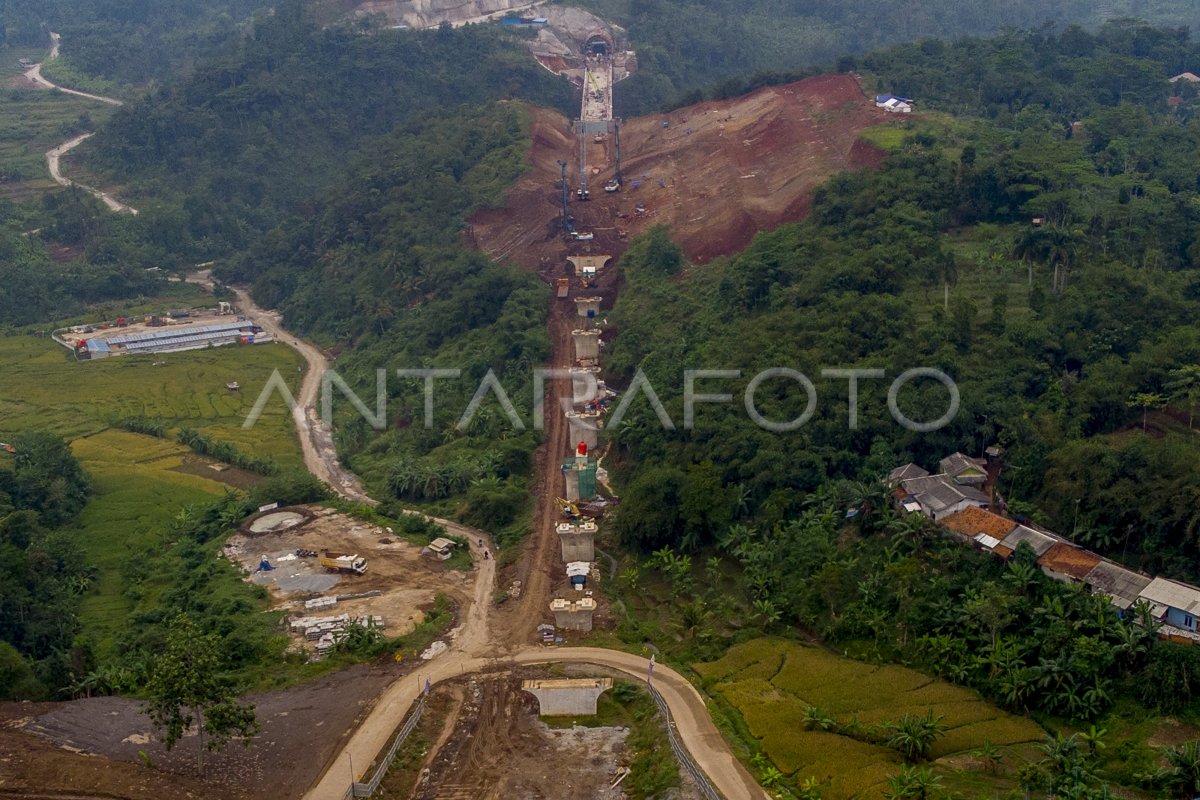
615	184
582	192
617	144
566	219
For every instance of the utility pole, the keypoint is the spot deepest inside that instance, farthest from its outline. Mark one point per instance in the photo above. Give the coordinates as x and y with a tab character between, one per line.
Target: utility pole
583	190
617	145
566	220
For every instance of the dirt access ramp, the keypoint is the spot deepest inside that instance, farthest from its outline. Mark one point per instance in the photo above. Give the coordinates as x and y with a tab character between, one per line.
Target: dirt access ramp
717	174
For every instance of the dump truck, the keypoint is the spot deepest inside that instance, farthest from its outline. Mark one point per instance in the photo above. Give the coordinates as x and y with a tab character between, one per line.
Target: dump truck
564	287
341	562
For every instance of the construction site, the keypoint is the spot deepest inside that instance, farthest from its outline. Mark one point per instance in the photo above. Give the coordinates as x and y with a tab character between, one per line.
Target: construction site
328	571
716	174
490	740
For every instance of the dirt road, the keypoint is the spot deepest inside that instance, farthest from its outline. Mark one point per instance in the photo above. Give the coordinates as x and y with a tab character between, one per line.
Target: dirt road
34	75
316	438
52	163
54	155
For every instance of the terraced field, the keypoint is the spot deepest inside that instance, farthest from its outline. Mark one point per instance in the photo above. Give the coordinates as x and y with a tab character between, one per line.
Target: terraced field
772	682
44	387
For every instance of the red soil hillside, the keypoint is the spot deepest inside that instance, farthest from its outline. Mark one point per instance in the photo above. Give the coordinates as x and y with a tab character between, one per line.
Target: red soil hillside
728	169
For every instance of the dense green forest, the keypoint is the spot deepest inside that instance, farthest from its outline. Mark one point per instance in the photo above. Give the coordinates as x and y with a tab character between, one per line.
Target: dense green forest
101	257
129	43
1061	338
42	572
686	47
255	140
381	264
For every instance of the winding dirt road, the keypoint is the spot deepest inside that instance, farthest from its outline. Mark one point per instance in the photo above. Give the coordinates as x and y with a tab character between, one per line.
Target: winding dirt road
54	155
34	75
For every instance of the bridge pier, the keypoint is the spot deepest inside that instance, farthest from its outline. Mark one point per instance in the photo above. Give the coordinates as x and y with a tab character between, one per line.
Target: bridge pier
567	696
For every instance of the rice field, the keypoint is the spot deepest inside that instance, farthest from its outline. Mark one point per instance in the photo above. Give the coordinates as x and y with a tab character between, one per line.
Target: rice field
771	682
44	387
135	493
137	489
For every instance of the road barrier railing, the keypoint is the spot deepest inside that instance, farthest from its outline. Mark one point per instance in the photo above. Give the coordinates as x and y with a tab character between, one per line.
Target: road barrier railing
681	754
367	789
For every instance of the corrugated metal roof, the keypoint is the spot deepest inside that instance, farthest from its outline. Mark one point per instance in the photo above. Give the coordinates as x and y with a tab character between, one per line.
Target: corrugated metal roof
1121	585
989	542
938	492
181	340
171	333
1176	595
1040	542
906	472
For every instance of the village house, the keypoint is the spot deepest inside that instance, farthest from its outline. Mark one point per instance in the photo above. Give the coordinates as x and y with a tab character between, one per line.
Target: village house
954	499
1067	563
1176	605
1121	586
935	496
1040	541
983	528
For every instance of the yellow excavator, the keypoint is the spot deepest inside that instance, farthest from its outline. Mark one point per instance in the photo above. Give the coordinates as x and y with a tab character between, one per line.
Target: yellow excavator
567	508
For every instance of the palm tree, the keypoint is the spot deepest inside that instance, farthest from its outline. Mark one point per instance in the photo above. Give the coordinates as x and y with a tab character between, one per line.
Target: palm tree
694	617
815	719
765	609
990	756
1021	575
1066	769
809	790
770	777
913	783
915	736
1030	246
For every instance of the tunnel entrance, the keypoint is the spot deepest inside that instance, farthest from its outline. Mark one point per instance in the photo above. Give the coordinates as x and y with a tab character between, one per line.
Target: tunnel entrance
598	45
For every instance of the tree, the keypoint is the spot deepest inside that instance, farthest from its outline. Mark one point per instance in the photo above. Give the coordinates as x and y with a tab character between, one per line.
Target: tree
1181	775
913	783
1146	401
47	477
815	719
990	756
1185	385
1065	771
185	688
914	736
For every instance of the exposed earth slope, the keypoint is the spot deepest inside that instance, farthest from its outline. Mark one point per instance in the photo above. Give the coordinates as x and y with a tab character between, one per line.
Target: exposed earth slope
728	169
